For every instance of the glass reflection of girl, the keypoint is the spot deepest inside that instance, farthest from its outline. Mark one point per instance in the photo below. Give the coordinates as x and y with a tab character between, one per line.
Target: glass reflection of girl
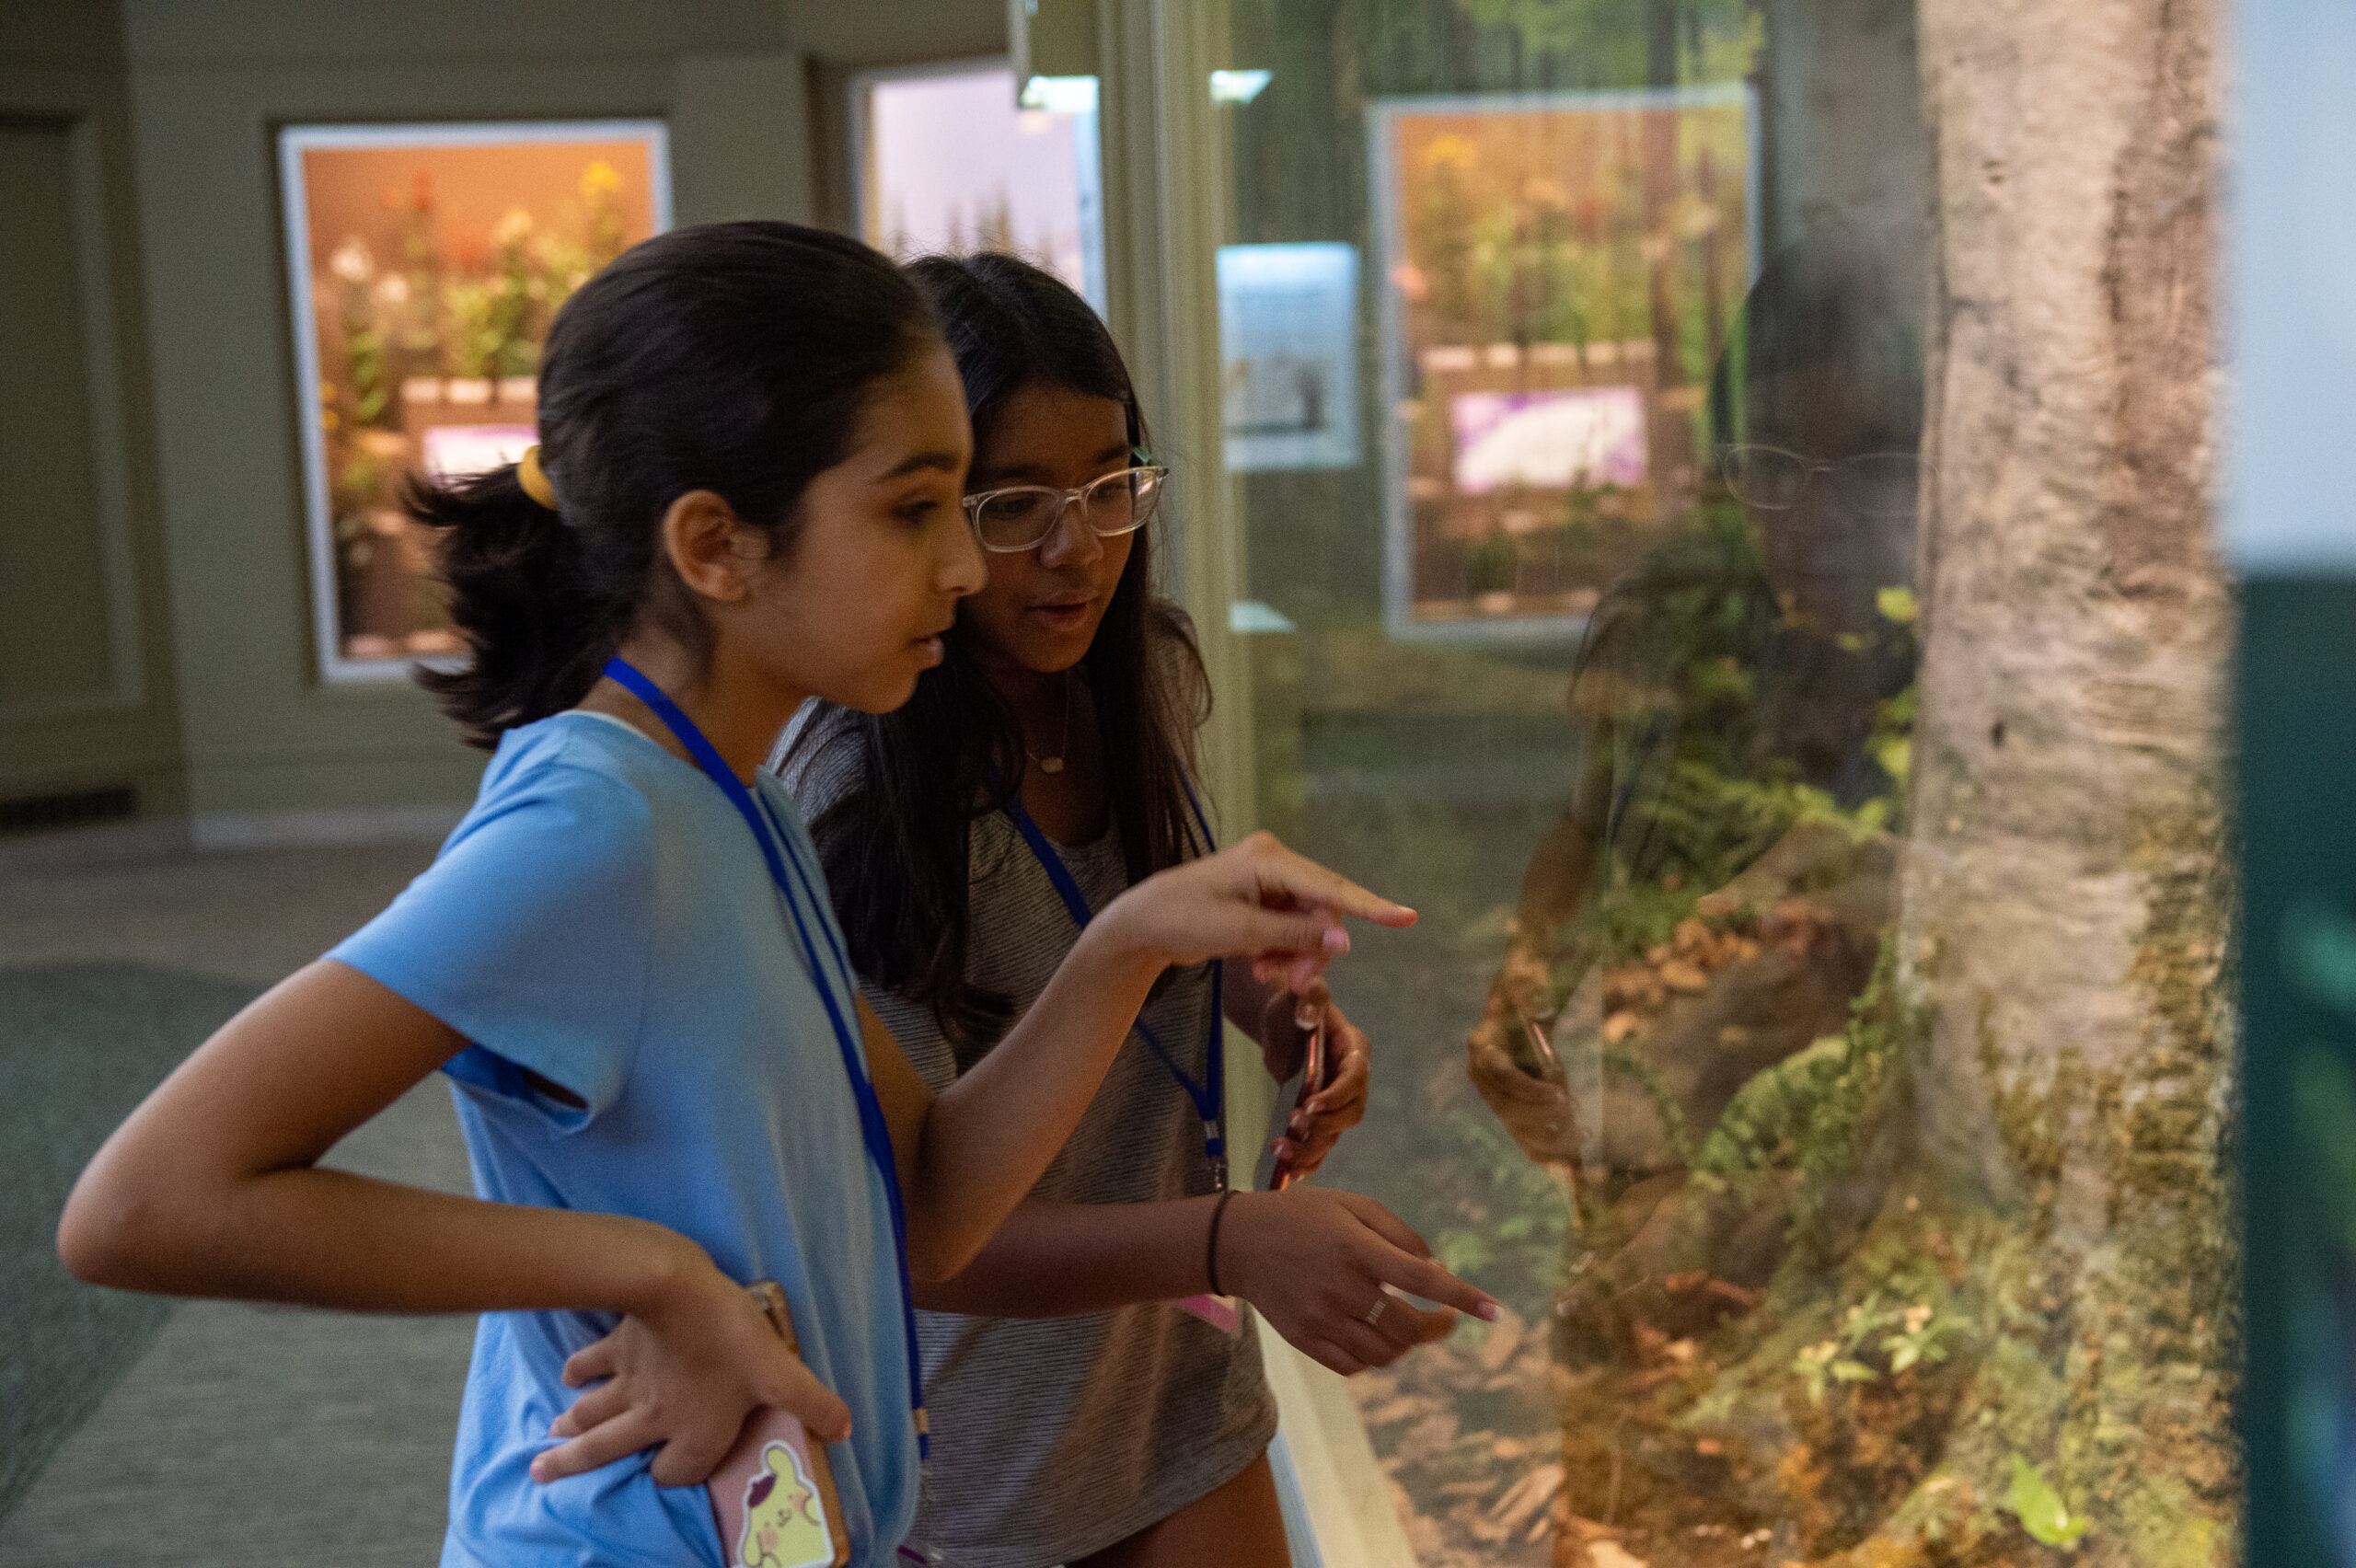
1054	745
1712	898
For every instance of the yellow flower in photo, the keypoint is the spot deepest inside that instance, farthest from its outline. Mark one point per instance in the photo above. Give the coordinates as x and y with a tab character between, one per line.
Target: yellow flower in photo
1449	148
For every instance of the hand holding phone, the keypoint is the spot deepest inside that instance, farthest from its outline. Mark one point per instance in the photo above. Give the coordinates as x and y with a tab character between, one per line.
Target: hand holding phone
1315	1074
1531	1050
773	1497
1534	1055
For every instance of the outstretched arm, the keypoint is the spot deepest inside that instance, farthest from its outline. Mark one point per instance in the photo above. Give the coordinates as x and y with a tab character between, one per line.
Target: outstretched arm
1313	1261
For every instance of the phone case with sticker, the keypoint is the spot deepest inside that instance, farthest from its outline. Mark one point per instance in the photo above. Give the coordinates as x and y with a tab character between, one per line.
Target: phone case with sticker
774	1495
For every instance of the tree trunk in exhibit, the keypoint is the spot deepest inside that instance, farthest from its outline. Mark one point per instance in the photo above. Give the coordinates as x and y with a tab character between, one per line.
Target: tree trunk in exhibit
2063	940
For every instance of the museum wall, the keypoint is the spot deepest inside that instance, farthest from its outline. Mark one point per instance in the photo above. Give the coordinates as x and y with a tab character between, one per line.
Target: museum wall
202	575
89	721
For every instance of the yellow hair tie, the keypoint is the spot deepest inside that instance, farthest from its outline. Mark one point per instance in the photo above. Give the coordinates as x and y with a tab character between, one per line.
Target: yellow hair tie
534	481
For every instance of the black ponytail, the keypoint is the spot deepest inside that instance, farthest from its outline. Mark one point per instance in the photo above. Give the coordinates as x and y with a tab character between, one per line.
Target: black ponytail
730	357
518	590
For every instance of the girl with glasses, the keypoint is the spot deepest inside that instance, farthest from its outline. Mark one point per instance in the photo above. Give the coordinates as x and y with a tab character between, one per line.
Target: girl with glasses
1094	1407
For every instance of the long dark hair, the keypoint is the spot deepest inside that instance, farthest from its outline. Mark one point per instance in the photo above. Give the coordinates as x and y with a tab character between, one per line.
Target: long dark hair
730	357
895	847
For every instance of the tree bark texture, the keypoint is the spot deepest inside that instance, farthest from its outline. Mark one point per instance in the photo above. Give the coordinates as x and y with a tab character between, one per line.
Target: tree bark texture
2064	913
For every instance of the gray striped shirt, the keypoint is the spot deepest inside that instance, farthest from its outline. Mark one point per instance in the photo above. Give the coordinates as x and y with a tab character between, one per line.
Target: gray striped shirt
1055	1437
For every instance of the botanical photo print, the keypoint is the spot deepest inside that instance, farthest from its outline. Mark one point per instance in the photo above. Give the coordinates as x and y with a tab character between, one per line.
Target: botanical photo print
425	263
1559	272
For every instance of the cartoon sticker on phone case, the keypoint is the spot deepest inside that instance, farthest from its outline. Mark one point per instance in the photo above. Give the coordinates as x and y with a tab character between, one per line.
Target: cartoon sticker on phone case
785	1524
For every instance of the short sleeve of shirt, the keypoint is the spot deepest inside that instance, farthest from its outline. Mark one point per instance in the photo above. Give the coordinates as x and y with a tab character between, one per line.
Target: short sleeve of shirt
530	936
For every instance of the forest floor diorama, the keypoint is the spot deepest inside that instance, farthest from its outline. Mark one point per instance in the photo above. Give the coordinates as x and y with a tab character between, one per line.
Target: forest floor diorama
1757	1330
1645	1409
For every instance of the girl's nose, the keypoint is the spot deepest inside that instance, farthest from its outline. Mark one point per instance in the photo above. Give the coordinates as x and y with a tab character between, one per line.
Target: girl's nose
963	568
1072	541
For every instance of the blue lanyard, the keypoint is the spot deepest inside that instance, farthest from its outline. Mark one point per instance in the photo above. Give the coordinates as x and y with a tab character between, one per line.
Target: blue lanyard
1209	1096
873	1129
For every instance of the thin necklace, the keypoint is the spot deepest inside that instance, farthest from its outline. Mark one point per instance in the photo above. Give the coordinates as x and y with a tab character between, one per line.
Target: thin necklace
1056	763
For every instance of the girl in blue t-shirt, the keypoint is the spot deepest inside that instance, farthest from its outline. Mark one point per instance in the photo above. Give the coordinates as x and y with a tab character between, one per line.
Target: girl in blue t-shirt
746	495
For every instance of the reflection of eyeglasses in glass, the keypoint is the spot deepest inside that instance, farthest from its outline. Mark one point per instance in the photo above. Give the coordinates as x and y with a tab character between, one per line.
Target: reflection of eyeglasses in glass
1880	484
1022	516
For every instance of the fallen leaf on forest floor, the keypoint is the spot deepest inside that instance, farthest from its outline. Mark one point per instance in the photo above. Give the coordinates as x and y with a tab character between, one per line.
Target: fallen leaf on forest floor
1607	1554
1532	1493
1679	975
1426	1437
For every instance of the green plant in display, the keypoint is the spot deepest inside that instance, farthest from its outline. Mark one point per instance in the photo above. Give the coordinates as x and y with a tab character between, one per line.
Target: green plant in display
2039	1508
1822	1365
1770	1114
1529	1242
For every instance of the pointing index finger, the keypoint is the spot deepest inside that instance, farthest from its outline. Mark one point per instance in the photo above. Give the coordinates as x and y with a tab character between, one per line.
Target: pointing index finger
1290	875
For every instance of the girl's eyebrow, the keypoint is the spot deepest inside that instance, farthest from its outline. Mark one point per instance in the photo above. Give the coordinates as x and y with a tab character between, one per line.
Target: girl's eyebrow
943	461
1033	471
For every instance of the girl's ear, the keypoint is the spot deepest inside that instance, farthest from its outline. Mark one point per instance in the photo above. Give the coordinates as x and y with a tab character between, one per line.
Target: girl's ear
710	546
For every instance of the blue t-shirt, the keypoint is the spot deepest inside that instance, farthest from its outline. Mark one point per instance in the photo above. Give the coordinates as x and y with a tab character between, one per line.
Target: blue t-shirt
603	918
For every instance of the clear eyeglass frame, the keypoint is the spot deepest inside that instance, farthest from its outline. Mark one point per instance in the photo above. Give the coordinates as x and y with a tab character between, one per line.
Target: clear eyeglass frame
1014	518
1773	479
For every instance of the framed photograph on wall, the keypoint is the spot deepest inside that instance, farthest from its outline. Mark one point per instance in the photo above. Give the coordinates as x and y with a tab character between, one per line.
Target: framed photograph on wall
424	264
1558	274
1289	352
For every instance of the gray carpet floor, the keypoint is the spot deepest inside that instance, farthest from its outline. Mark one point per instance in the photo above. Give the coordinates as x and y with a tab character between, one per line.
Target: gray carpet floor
79	1045
137	1431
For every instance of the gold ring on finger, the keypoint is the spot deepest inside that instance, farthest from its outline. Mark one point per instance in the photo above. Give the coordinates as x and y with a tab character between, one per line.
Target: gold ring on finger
1373	1315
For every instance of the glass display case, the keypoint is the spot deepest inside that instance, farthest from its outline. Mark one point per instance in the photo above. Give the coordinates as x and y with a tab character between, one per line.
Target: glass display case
1602	641
426	262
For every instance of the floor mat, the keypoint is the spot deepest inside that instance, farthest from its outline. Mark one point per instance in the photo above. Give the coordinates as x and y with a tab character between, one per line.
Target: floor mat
80	1045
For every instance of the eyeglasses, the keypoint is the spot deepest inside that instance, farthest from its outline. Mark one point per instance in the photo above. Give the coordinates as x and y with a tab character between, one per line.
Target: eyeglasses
1020	517
1880	484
